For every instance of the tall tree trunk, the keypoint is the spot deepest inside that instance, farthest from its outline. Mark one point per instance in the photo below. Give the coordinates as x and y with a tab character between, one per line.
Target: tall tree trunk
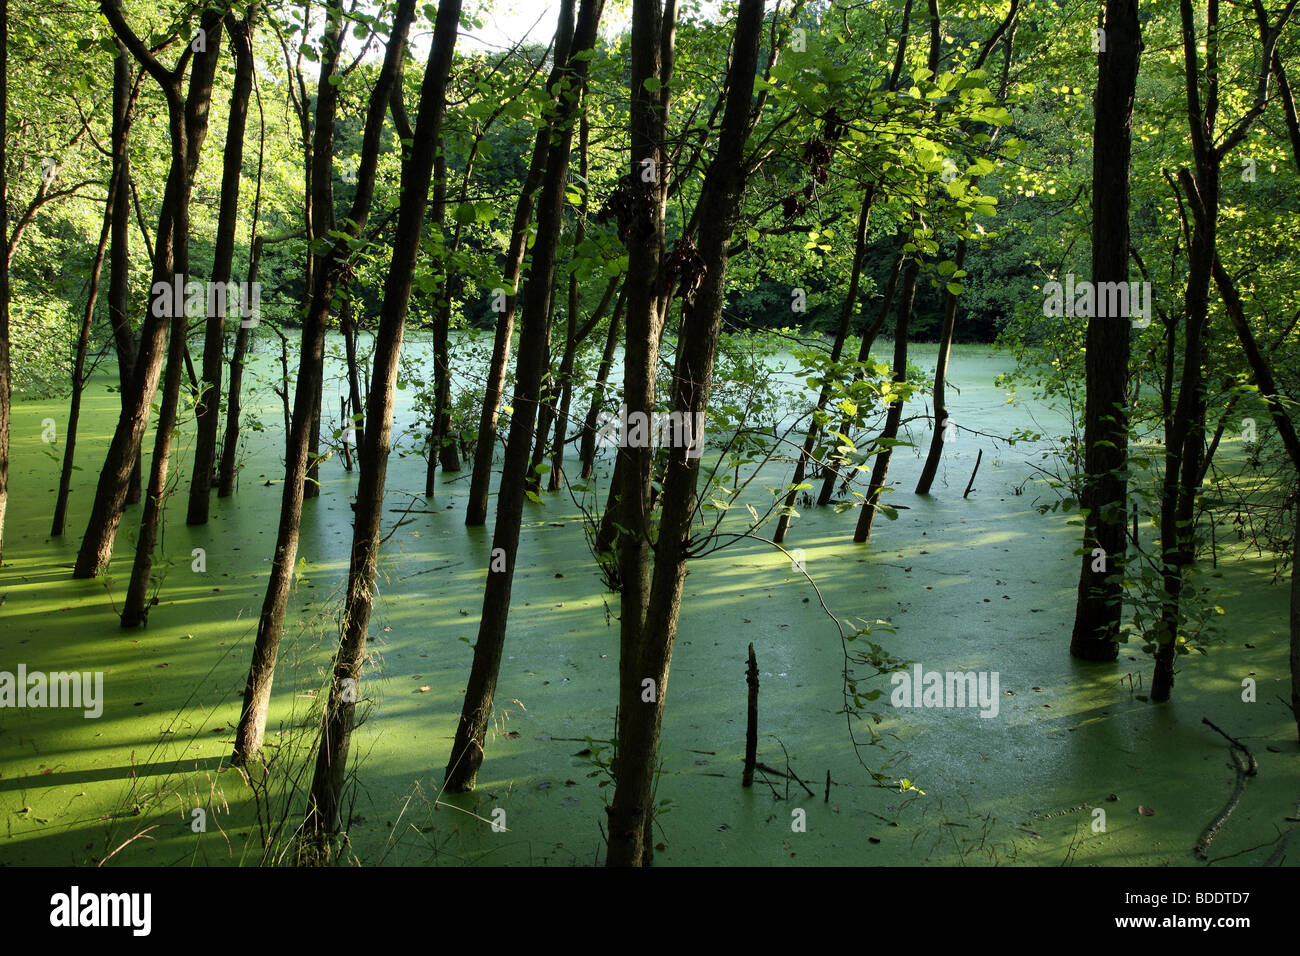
1105	491
1262	373
571	340
234	396
79	365
647	634
442	449
119	254
894	417
864	352
940	383
571	39
1185	434
187	122
837	349
485	450
5	383
331	758
206	417
356	422
135	607
328	273
587	448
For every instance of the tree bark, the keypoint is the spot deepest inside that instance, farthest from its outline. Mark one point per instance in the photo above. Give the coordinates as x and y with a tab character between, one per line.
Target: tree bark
1105	491
864	352
572	38
893	418
328	274
206	414
931	466
331	759
79	365
587	447
485	450
647	633
135	607
837	349
5	383
187	121
234	395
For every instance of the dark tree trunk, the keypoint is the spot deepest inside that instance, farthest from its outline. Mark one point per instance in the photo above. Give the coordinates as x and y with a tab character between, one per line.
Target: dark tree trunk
940	383
1105	434
230	446
1185	433
837	349
587	448
119	253
5	383
565	89
257	689
893	418
79	366
485	450
187	121
206	417
331	759
442	449
356	414
864	352
647	633
135	607
574	334
1262	373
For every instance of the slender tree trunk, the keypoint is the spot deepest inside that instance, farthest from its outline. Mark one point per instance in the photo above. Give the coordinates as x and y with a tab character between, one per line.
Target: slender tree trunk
571	39
135	607
348	327
648	633
270	625
1105	491
442	449
864	352
940	383
79	366
187	120
206	414
555	479
5	383
587	449
893	418
837	349
331	758
234	397
485	450
119	254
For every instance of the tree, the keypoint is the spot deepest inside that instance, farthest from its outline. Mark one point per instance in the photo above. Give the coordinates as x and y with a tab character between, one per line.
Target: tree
647	631
135	607
205	442
6	388
1185	430
187	126
574	40
329	272
1105	490
417	171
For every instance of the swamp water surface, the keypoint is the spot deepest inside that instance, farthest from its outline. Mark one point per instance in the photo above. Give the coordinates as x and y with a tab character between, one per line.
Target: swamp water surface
983	584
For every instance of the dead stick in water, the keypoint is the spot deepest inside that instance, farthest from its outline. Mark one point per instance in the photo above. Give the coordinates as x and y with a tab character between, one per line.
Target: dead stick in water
970	484
827	799
751	728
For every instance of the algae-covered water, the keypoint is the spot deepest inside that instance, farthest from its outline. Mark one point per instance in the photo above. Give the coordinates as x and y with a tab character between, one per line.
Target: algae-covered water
982	584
